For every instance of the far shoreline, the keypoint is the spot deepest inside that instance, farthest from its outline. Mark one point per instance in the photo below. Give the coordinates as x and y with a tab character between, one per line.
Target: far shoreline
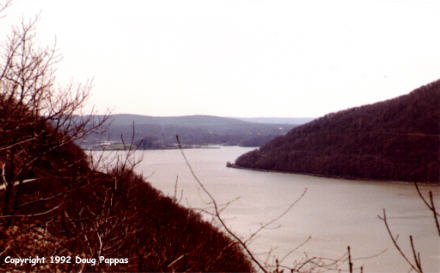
349	178
153	149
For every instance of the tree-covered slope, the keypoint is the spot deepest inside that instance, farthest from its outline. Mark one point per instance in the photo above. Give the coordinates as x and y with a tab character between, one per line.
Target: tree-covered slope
397	139
53	201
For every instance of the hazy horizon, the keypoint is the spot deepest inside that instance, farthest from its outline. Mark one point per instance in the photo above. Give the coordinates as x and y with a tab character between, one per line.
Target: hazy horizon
238	58
201	114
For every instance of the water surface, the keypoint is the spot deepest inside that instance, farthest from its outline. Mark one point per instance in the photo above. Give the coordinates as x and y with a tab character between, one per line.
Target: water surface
334	212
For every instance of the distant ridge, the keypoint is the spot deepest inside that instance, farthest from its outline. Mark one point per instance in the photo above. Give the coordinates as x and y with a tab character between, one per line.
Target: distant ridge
396	139
279	120
124	119
153	132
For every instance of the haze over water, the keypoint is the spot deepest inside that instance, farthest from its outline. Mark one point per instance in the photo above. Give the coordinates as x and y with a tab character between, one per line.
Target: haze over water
334	212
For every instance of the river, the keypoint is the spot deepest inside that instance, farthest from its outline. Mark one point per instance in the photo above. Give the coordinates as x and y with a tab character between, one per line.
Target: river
335	213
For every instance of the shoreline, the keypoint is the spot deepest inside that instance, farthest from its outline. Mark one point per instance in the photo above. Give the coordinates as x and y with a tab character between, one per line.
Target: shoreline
153	149
235	166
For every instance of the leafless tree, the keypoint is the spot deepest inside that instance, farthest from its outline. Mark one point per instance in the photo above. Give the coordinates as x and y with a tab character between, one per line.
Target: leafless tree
3	6
414	259
37	116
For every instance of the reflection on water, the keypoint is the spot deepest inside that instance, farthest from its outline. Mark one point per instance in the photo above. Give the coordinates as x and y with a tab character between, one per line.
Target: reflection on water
335	212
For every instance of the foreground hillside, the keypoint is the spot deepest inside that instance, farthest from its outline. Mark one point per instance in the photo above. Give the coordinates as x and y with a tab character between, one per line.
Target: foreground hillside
55	204
397	139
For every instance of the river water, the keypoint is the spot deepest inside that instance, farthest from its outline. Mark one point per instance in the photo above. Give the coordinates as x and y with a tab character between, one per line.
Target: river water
335	213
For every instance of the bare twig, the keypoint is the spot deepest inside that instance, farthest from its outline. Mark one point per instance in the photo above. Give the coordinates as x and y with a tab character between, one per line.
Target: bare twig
434	212
350	264
217	212
430	206
33	214
416	257
397	246
176	260
278	217
296	248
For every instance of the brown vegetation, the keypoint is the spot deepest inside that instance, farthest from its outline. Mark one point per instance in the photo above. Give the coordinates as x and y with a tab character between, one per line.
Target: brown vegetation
54	203
397	139
116	215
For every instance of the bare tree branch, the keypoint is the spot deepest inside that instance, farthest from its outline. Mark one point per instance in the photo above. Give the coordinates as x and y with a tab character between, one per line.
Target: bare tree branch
397	246
33	214
217	213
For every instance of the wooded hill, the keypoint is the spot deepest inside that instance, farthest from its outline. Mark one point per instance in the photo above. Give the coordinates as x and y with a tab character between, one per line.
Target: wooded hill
160	132
396	139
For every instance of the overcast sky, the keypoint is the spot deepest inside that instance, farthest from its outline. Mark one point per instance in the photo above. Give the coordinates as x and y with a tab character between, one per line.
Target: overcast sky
240	58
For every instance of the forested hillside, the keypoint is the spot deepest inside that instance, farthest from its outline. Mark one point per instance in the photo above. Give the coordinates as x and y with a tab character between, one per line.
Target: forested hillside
397	139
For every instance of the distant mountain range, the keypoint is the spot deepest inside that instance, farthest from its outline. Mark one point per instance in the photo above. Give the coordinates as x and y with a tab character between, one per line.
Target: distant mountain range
151	132
295	121
397	139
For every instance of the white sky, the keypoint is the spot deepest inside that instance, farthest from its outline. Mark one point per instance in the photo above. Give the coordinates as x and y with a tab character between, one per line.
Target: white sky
240	58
